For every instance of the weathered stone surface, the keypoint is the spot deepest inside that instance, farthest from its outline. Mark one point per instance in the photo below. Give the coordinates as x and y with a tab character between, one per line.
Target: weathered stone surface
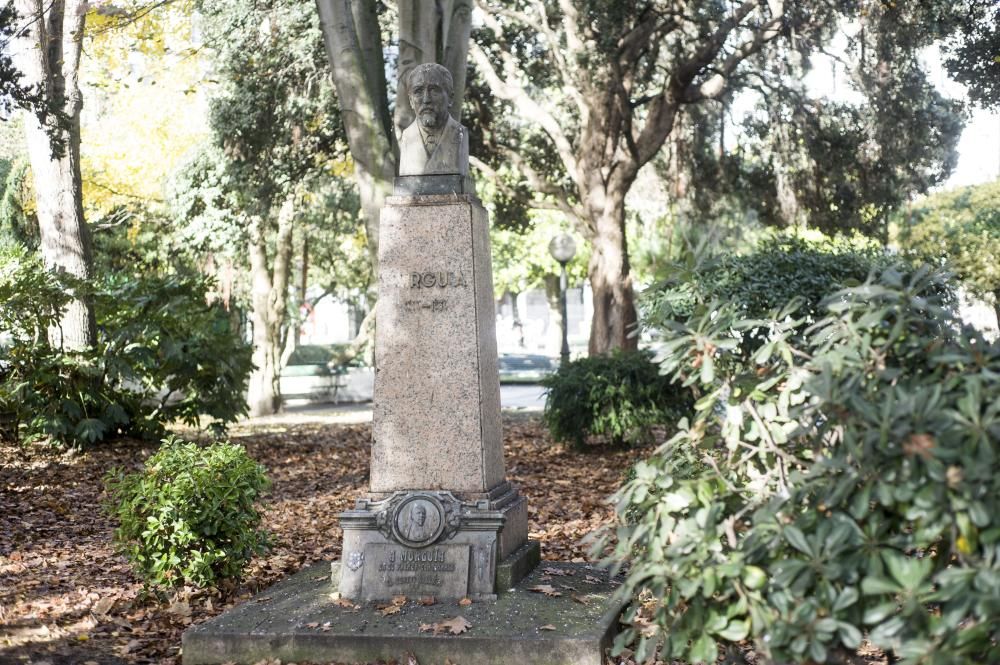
517	565
297	620
437	391
415	524
433	184
391	570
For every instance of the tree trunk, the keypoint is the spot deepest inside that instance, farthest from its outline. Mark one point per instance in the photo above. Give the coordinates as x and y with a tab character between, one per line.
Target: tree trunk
268	296
429	31
614	322
49	59
352	37
996	306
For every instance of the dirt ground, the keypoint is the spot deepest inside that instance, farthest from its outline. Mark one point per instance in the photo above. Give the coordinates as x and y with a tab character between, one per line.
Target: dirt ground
67	597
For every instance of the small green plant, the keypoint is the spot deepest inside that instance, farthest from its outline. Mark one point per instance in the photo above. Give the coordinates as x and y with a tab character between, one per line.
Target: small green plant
619	397
189	515
162	354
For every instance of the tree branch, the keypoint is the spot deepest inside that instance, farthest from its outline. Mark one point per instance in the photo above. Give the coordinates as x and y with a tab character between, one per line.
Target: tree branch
513	91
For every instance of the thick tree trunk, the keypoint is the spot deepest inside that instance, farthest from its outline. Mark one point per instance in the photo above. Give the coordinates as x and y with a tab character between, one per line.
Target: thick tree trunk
614	321
49	58
268	295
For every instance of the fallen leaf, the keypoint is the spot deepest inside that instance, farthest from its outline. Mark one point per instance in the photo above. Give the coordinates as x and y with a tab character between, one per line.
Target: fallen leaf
344	602
411	659
591	579
312	624
104	605
559	572
578	599
426	627
465	602
386	610
399	600
455	626
547	589
427	601
547	626
180	608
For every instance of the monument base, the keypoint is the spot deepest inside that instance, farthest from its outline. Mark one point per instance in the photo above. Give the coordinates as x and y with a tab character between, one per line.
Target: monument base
299	620
430	543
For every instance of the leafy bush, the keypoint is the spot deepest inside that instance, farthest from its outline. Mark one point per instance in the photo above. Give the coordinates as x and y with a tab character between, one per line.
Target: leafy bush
620	396
188	516
961	229
774	273
162	354
844	481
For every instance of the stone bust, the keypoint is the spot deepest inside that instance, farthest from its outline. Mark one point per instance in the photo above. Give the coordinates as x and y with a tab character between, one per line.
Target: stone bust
434	143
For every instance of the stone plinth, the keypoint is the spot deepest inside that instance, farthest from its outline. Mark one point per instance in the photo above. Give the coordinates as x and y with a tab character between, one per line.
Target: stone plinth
298	620
440	518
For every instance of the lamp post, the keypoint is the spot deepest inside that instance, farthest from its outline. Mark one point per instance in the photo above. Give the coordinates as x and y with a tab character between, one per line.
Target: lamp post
563	249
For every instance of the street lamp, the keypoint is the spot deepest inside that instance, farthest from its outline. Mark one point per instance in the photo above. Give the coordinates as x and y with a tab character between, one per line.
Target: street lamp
563	249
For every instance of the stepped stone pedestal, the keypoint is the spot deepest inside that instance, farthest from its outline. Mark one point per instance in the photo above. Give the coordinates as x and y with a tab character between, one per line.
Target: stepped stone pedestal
440	516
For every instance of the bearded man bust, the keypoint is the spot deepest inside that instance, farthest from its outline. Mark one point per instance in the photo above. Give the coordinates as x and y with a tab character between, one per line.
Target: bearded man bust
434	143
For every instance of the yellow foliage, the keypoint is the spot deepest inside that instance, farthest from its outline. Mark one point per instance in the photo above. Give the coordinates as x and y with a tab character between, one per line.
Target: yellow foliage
146	105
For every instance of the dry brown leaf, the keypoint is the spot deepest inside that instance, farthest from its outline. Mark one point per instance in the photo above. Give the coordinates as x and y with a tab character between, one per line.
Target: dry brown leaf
547	589
547	626
399	600
104	605
180	608
426	627
346	603
427	601
390	609
591	579
579	599
455	626
312	624
559	572
465	602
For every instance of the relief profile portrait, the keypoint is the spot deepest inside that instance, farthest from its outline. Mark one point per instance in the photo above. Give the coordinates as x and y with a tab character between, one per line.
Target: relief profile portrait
434	143
418	521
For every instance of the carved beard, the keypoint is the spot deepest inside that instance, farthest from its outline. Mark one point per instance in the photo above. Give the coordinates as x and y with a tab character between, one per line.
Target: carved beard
429	118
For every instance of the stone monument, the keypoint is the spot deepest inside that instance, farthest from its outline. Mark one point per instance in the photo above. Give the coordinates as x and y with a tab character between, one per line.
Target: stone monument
440	518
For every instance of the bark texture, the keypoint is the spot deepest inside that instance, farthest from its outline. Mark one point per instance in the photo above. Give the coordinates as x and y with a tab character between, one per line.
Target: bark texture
268	290
49	58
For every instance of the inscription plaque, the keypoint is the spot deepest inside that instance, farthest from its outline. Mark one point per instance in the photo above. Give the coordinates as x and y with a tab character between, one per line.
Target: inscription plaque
440	570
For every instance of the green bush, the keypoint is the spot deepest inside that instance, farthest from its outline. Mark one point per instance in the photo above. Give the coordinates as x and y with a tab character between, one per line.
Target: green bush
619	397
775	272
189	516
843	483
163	354
960	229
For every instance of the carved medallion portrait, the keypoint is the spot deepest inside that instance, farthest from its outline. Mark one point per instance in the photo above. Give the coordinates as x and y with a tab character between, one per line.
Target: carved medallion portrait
419	521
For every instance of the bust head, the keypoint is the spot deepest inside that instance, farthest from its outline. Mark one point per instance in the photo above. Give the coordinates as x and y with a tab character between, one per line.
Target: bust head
430	89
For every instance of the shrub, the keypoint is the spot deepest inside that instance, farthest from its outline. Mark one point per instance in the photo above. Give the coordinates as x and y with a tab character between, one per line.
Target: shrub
619	396
188	516
778	270
844	481
162	354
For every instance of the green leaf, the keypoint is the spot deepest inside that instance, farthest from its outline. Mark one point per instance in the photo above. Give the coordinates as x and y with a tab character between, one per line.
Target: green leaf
703	650
798	540
735	631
